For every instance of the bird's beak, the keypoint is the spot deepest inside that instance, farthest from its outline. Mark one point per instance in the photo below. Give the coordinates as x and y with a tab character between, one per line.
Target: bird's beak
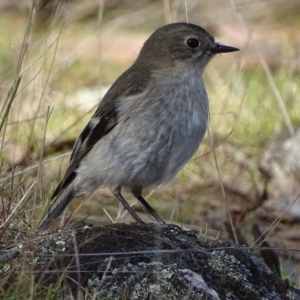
217	48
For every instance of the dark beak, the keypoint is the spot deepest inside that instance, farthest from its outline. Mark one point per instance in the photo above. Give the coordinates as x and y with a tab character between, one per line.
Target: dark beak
217	48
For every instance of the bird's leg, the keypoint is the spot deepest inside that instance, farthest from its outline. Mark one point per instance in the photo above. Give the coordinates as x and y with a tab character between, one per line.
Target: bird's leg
149	208
128	207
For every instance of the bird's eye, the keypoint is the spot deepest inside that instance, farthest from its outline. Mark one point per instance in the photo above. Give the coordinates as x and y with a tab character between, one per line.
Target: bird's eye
193	43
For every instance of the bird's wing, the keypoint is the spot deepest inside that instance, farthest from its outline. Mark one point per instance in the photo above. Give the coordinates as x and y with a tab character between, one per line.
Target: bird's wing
104	120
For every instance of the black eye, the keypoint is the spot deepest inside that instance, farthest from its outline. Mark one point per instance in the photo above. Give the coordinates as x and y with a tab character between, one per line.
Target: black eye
193	43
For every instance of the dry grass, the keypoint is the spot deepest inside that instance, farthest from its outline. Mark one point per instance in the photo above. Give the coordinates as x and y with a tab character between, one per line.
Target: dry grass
71	57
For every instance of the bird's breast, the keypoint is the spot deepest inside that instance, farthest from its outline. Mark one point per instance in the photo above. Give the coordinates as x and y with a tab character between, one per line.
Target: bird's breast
184	107
179	123
158	131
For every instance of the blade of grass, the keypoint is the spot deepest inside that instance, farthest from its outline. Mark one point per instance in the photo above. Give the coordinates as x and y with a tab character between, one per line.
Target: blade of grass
11	97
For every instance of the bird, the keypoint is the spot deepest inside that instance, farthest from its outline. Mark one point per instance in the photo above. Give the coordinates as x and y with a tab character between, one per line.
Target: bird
148	125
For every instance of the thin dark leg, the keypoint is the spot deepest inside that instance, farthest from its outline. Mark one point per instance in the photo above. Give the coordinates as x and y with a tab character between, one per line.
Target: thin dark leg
128	207
150	209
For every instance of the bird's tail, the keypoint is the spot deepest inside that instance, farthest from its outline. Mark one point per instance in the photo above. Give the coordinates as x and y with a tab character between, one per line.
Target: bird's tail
57	207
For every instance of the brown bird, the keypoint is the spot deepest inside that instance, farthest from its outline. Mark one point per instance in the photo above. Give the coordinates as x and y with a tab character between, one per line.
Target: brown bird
148	125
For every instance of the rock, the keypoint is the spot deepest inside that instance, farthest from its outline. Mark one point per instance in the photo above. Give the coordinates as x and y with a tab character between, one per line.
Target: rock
148	261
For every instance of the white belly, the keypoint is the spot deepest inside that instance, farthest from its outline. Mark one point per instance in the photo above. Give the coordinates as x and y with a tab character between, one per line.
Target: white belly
142	151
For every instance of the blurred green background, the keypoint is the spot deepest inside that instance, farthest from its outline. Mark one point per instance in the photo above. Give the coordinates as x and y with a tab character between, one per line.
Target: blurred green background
70	52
